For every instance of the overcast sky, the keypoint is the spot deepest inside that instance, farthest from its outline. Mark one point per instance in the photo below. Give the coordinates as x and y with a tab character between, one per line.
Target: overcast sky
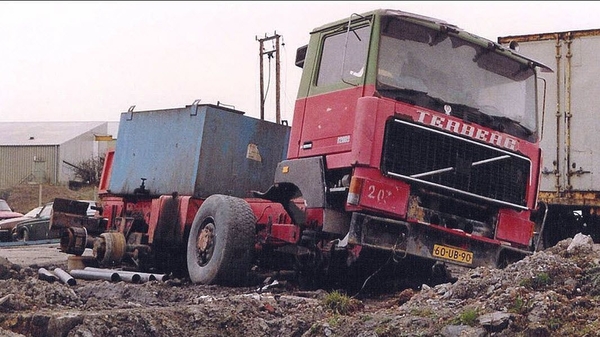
91	61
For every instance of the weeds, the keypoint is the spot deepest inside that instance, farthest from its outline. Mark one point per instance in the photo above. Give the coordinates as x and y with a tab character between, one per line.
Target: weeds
520	306
537	282
468	317
592	279
340	303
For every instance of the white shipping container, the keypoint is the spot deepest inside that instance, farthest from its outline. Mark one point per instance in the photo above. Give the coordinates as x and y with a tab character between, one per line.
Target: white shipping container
568	113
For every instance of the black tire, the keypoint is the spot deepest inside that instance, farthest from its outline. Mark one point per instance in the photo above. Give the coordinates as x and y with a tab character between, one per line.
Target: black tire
221	242
23	235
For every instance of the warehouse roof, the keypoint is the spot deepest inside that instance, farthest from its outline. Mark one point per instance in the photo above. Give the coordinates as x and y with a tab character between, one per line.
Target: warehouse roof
43	133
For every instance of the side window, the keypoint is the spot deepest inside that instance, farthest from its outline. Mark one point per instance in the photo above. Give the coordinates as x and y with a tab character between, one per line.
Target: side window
338	64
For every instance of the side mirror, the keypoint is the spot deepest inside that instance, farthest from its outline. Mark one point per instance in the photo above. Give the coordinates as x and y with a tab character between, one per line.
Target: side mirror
301	56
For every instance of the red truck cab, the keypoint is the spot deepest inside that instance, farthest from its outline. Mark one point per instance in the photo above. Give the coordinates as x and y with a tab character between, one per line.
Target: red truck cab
413	137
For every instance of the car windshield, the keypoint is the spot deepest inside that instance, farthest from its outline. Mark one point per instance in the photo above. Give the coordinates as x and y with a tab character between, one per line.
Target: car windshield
4	206
33	212
46	211
448	72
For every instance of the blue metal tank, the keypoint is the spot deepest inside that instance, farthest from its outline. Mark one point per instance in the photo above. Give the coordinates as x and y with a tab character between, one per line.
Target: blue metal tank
197	150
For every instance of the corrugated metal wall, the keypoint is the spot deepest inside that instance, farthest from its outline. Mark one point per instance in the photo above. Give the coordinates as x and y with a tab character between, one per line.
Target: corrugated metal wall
19	164
44	163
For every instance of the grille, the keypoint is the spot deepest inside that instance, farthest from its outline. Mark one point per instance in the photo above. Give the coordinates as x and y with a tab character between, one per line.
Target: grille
454	164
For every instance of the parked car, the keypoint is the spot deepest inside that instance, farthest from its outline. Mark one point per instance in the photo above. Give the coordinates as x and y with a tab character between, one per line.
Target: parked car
6	212
38	228
7	225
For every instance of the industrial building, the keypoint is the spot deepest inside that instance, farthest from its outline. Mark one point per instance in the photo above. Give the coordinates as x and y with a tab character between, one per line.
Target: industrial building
46	152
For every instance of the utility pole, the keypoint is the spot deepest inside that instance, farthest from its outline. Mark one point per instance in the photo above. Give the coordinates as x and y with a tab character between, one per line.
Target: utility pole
269	54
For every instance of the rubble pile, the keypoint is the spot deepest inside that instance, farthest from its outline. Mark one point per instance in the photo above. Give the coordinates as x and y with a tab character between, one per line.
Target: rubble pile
550	293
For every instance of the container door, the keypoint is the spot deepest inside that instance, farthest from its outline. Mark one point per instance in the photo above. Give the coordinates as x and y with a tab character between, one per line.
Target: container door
582	100
572	96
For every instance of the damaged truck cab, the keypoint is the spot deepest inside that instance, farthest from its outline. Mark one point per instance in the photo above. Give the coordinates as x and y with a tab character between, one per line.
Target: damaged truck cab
412	141
414	138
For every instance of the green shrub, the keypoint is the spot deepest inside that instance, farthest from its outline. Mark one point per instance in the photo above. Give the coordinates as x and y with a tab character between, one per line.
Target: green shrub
468	317
340	303
538	281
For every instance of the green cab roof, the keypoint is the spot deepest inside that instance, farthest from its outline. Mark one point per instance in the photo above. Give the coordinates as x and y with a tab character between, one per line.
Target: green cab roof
438	25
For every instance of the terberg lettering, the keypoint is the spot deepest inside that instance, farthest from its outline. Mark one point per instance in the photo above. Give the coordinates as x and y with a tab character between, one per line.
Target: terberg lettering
467	130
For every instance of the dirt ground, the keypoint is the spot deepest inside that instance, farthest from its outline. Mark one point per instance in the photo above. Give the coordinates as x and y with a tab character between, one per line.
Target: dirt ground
551	293
25	197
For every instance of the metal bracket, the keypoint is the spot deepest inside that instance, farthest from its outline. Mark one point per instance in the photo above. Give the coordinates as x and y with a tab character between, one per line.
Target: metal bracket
130	111
195	108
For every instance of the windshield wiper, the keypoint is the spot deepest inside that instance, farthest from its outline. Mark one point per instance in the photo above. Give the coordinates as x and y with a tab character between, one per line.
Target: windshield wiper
422	98
411	96
404	91
465	112
503	122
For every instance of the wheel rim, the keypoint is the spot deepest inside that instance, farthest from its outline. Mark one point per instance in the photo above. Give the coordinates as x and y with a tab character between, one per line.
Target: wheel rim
110	247
205	243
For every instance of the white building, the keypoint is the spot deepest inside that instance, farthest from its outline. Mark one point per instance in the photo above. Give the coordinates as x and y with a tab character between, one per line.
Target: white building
45	152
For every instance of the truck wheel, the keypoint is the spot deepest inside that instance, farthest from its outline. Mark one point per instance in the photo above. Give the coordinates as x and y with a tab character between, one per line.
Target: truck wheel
221	241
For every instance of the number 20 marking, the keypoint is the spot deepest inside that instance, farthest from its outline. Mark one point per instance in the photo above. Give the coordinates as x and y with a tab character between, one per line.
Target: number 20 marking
378	194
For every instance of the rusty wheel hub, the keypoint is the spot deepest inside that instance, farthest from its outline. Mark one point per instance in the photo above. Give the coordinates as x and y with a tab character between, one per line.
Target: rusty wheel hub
205	243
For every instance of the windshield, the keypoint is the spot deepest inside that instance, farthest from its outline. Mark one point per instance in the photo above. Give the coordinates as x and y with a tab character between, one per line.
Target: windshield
450	75
4	206
46	211
33	212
